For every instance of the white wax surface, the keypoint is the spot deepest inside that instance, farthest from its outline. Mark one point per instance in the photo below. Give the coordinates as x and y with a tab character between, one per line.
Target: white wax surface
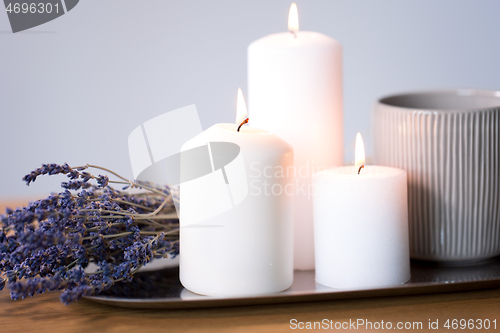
248	249
361	227
295	91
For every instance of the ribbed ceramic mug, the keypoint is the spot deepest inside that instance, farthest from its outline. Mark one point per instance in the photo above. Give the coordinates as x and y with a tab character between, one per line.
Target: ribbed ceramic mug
449	143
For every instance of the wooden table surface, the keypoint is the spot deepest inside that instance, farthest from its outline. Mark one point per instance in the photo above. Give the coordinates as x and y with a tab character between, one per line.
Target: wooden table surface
45	313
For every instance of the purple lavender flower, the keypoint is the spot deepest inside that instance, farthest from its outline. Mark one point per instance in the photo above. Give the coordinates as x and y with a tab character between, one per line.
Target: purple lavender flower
46	245
75	184
102	181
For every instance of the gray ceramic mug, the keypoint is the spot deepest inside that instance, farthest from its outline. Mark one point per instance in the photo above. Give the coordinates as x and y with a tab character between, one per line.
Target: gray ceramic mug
449	143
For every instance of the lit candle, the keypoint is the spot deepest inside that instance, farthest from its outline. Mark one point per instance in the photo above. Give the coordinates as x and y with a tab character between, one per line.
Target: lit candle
247	247
361	225
295	91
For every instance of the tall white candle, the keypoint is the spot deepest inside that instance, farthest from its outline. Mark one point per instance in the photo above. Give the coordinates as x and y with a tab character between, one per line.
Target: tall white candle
361	226
295	91
248	249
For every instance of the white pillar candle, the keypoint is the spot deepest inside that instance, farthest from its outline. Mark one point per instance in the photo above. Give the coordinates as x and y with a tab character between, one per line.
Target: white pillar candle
248	249
361	227
295	91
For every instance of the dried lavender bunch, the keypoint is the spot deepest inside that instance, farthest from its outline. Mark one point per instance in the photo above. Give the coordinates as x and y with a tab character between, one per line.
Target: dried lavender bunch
48	244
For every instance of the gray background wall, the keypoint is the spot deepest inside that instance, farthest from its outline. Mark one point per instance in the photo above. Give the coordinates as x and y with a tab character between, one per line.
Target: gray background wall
71	90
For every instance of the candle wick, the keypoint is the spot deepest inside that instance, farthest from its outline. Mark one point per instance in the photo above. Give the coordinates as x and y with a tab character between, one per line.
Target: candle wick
293	33
243	123
361	167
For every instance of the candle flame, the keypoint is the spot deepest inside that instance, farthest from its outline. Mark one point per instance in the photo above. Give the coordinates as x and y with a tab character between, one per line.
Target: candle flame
293	19
359	153
241	108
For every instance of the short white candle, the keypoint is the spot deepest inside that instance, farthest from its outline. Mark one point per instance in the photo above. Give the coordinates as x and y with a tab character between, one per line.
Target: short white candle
295	91
361	226
248	249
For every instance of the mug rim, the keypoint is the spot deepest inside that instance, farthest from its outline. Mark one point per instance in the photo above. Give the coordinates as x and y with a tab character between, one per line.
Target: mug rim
383	101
